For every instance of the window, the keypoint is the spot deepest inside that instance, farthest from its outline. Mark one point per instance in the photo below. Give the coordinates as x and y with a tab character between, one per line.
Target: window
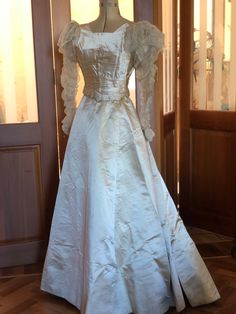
18	99
169	70
214	55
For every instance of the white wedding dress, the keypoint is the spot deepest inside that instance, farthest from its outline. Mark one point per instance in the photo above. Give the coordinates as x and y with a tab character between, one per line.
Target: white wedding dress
117	243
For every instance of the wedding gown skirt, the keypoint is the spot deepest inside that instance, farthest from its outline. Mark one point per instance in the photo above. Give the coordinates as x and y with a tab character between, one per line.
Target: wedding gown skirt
117	243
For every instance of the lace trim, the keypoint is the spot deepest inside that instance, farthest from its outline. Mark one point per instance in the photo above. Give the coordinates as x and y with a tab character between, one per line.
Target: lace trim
145	41
70	33
69	82
70	72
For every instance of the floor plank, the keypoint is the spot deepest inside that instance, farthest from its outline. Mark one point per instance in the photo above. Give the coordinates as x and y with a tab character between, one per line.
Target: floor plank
20	292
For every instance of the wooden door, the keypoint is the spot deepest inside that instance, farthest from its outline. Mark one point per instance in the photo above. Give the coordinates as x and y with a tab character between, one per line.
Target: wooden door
207	114
28	133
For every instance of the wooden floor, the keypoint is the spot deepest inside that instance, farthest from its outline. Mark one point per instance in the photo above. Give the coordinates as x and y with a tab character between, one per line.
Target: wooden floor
20	293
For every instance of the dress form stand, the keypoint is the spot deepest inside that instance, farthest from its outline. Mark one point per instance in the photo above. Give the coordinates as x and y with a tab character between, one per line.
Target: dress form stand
109	18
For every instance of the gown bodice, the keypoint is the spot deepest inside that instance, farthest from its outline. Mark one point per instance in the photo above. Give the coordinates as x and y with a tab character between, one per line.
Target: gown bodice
105	64
107	61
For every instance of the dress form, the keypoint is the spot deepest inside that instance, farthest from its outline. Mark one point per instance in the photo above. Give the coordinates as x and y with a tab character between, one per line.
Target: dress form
109	18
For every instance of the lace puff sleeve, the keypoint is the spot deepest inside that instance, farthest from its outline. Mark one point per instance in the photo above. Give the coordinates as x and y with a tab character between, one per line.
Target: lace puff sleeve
145	41
70	72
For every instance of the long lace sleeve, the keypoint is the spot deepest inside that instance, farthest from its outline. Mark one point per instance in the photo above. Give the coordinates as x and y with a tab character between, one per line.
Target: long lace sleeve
145	41
70	72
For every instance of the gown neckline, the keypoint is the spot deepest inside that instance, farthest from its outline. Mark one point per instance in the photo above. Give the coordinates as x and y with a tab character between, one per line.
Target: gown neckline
101	33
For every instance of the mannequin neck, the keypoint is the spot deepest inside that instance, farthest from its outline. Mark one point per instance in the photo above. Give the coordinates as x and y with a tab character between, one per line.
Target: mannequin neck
109	9
109	18
109	3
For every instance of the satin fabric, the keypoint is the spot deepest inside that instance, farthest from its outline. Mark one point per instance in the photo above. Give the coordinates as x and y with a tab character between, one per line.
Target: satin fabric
105	65
117	243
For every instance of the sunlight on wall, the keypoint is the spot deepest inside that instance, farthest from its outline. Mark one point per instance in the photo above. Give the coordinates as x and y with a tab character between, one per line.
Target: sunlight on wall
84	11
18	100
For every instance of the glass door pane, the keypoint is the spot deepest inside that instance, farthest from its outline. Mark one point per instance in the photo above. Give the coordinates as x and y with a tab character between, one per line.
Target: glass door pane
214	55
18	99
84	11
169	55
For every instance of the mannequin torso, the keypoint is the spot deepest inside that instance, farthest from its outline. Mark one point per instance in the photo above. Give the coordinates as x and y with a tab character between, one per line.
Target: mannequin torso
109	19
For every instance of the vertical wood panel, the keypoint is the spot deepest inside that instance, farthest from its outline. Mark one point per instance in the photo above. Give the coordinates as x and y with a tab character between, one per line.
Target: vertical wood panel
213	181
60	16
232	78
186	46
170	163
22	218
41	12
21	215
158	110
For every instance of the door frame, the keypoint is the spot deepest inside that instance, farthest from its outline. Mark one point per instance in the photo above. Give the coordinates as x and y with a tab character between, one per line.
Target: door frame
185	83
60	11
